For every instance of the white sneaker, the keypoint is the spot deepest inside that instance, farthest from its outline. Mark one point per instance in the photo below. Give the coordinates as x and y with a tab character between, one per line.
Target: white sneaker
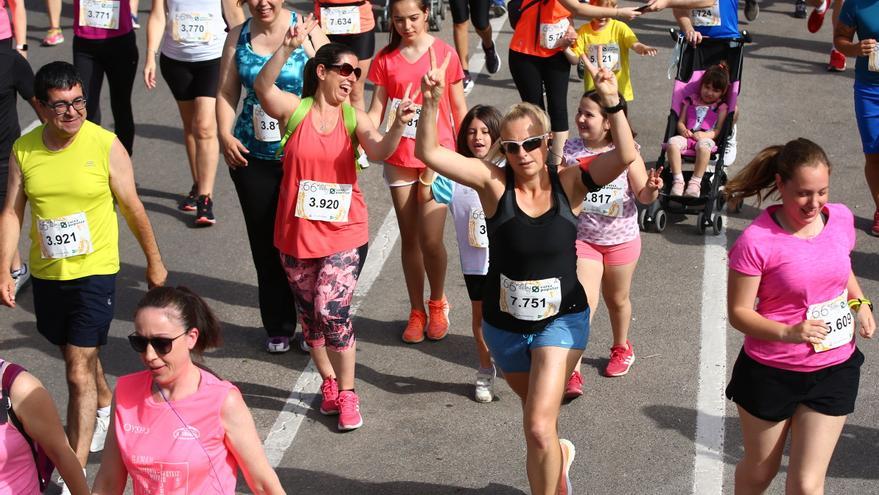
100	436
363	160
22	277
729	155
303	345
485	386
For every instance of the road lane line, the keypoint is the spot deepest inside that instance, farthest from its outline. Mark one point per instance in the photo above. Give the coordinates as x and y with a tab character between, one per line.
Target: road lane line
711	406
305	390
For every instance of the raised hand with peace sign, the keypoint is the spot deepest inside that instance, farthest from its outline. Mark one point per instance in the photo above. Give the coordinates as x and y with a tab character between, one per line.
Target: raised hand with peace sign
298	33
434	82
604	79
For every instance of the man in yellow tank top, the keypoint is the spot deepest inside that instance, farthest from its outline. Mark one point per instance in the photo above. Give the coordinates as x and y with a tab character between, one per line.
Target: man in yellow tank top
71	171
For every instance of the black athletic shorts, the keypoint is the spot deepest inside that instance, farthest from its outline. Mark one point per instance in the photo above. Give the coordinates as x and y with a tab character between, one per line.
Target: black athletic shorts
76	312
474	10
773	394
189	80
474	286
362	44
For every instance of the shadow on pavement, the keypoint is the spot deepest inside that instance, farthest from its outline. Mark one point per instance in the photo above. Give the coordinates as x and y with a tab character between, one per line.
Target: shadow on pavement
317	482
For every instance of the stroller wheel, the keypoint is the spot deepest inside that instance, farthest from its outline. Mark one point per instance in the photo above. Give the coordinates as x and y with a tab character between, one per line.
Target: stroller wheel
700	222
642	219
717	224
659	220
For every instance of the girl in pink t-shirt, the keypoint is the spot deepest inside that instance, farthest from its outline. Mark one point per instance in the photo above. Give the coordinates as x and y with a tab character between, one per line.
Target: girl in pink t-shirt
608	241
792	293
397	68
176	427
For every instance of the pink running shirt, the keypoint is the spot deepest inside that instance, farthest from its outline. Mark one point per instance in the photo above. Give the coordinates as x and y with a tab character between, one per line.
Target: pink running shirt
18	472
394	72
101	15
5	22
164	454
795	273
596	228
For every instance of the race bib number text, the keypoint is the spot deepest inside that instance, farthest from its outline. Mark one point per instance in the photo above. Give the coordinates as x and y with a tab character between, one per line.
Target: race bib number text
340	20
610	56
531	300
551	34
838	317
477	230
706	17
411	127
192	27
64	237
102	14
323	201
607	201
265	128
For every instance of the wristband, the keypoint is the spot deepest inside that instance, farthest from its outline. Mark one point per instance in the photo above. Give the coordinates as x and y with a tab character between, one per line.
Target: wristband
22	47
616	108
855	304
428	184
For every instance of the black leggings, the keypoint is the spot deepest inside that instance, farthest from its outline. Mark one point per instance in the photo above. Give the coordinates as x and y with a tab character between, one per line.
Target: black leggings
258	185
117	58
532	74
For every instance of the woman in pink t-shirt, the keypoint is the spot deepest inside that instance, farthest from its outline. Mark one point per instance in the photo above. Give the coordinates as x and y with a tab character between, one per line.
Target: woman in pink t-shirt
399	66
792	292
608	240
176	427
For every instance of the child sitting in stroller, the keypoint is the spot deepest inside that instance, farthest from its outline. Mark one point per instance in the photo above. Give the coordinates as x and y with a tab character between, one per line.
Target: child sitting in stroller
700	122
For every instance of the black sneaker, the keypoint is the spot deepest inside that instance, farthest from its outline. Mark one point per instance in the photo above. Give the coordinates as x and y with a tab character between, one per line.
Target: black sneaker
492	60
752	10
468	83
204	216
581	69
800	9
497	9
188	203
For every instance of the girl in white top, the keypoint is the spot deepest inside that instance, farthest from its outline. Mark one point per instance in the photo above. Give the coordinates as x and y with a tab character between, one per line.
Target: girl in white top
480	129
192	34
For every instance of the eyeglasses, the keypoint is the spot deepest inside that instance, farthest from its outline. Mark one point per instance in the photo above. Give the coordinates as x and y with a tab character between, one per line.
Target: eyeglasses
61	107
162	345
528	144
346	70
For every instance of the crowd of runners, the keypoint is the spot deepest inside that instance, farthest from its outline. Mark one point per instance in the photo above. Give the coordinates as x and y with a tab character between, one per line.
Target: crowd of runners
546	223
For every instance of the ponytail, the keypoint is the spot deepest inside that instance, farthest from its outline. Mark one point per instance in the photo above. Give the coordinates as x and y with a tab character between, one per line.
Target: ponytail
190	310
757	178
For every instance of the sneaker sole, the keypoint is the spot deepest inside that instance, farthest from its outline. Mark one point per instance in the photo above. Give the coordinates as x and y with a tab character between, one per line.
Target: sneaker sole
277	351
572	453
483	400
350	427
571	396
623	373
204	222
409	341
186	208
330	412
436	338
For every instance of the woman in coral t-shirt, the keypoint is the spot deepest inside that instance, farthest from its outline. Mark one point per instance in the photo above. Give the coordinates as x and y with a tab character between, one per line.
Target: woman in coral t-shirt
397	68
792	292
176	427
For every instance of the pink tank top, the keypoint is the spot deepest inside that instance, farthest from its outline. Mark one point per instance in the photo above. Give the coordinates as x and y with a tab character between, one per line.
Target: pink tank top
168	452
5	23
101	20
18	473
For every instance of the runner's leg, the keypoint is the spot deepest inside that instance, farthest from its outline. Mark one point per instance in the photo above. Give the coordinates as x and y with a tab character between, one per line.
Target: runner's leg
763	443
82	405
813	439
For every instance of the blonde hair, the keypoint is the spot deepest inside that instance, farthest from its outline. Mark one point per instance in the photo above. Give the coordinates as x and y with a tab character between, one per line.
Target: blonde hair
522	110
758	176
604	3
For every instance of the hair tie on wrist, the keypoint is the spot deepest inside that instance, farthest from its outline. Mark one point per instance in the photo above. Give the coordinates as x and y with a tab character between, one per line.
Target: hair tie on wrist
428	184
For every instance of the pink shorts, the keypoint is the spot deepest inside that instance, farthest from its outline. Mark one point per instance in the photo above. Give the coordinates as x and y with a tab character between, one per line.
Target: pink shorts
613	255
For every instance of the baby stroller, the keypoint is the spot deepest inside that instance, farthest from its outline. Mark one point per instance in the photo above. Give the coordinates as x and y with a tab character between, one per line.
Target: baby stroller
383	17
693	62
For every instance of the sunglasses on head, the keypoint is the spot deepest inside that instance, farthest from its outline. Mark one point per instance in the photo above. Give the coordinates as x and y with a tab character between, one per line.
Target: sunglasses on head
346	70
527	144
162	345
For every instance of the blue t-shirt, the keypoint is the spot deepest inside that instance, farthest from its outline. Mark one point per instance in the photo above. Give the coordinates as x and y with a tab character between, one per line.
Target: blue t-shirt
290	80
718	21
863	15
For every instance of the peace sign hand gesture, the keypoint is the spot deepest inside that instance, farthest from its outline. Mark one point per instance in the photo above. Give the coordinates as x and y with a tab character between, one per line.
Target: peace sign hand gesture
434	82
654	179
604	79
407	109
298	33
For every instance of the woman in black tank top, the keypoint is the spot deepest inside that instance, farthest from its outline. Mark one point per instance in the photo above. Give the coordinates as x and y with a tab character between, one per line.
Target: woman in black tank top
534	308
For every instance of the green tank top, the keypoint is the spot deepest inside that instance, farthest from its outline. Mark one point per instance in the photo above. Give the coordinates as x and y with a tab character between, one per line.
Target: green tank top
74	232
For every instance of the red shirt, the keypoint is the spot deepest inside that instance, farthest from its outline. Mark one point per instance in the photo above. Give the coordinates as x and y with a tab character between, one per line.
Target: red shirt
394	73
328	158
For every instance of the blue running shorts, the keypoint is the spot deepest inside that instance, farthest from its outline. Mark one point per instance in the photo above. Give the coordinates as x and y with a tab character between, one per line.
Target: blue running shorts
512	351
867	115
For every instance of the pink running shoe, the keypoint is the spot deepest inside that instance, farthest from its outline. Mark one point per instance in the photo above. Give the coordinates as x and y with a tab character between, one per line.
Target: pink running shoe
329	389
349	411
54	36
621	359
574	387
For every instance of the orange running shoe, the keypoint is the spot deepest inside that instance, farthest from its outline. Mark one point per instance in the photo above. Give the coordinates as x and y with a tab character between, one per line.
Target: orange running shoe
439	319
414	332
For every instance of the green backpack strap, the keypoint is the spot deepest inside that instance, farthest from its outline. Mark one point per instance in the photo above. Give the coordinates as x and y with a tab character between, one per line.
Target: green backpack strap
295	119
349	114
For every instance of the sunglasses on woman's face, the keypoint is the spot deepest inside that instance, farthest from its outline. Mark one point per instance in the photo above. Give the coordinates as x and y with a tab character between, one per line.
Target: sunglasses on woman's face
346	70
162	345
528	144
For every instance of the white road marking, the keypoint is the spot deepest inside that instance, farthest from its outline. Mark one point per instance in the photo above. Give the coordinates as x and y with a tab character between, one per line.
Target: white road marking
708	465
305	390
477	60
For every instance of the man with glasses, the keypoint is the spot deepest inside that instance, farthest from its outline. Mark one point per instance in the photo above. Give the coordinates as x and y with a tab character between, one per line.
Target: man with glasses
72	170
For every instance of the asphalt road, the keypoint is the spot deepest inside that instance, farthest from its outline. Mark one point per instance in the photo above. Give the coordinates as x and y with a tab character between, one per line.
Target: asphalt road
423	433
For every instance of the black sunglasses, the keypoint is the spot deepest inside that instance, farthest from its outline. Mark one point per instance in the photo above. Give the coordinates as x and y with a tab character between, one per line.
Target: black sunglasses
345	70
529	144
162	345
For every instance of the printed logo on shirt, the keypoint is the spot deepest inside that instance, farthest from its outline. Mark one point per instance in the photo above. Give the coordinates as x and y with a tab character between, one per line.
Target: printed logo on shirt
187	433
90	163
136	429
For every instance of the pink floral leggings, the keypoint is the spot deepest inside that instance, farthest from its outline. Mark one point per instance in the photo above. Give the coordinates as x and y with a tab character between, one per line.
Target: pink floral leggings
323	289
